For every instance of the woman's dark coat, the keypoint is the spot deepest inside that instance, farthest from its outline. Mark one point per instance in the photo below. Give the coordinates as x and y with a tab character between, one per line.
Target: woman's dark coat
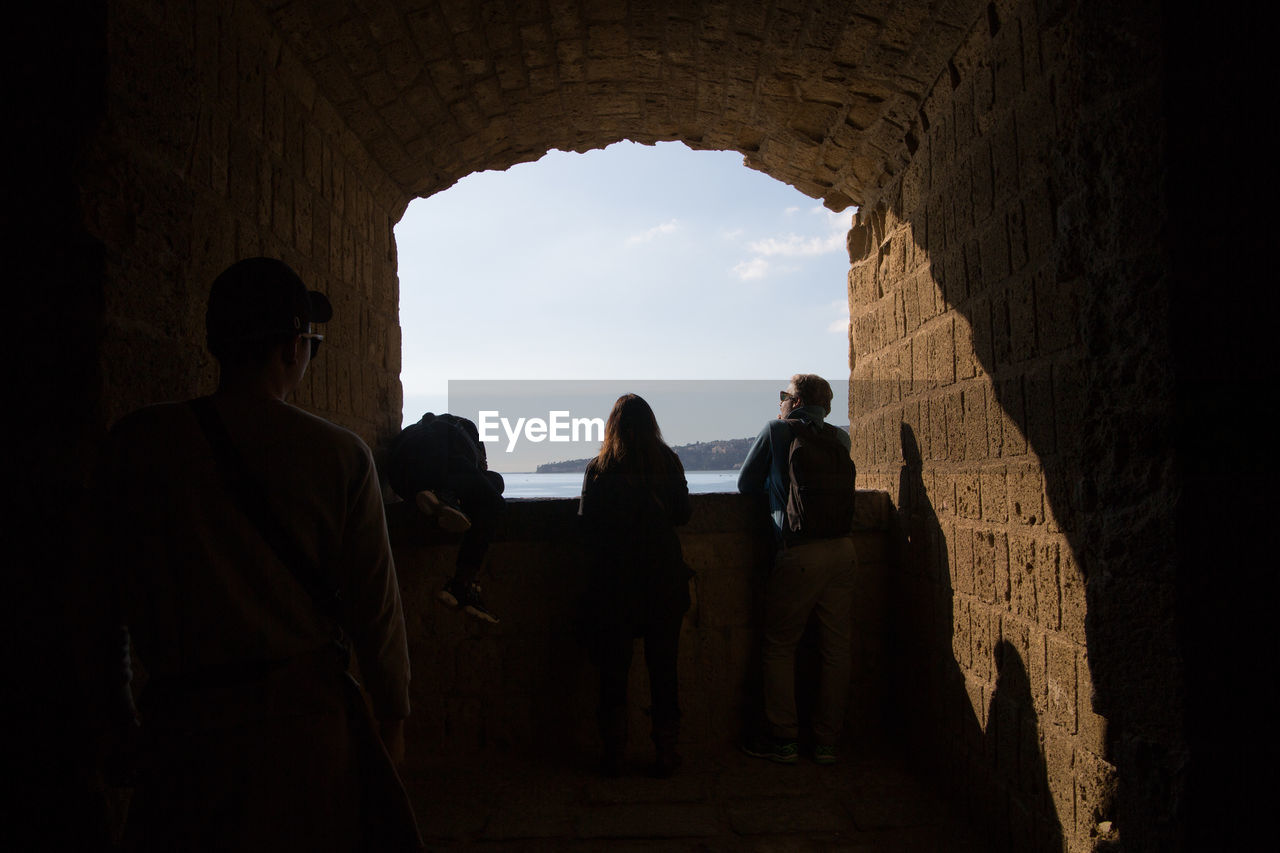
637	569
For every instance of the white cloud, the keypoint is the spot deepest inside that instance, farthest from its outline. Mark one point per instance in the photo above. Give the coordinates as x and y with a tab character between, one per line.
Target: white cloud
792	245
840	325
656	231
752	269
731	235
803	245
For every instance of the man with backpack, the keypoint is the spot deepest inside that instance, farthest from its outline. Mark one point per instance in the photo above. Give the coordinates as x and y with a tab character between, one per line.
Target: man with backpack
802	464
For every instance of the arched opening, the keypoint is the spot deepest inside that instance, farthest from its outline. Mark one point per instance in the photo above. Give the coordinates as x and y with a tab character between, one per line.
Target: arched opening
619	265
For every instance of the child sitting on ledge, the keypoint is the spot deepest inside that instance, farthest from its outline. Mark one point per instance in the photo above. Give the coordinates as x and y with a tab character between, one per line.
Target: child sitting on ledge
439	463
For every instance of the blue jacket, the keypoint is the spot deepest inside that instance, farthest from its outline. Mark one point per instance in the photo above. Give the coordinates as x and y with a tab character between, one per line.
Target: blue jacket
765	469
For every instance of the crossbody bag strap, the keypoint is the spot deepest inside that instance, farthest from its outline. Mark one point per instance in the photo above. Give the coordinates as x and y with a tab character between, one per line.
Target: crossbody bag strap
251	499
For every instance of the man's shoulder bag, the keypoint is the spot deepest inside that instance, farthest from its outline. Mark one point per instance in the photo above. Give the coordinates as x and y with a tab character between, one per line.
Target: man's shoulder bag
387	818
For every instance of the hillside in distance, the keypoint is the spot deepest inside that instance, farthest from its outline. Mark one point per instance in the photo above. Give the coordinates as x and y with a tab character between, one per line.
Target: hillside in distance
720	455
723	455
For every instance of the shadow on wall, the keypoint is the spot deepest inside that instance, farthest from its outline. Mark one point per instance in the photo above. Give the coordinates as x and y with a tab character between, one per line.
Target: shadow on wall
993	762
1018	267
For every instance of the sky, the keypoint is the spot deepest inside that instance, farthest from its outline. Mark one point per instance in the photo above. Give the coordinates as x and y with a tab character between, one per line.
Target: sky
628	263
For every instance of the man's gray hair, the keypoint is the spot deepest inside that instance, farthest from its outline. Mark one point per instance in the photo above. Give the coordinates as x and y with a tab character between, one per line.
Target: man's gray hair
813	390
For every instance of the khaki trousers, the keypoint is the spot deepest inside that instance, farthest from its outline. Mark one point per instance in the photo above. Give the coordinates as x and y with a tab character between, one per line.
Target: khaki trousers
813	578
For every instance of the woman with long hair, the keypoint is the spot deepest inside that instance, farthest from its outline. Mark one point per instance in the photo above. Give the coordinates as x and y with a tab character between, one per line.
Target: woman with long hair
633	497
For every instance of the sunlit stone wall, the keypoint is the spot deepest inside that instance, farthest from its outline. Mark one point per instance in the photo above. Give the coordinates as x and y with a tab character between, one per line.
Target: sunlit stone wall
1011	389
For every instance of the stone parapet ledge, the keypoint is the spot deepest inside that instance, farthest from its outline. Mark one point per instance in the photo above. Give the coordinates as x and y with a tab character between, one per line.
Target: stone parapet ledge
548	519
525	685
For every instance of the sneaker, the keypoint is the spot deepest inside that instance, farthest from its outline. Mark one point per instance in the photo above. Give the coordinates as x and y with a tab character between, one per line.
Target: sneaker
771	748
467	598
824	754
447	516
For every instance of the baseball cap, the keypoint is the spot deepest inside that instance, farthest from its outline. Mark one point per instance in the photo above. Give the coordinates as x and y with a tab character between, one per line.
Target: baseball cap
257	299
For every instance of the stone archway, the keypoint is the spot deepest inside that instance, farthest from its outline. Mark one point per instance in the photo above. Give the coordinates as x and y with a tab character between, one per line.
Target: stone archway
822	96
999	150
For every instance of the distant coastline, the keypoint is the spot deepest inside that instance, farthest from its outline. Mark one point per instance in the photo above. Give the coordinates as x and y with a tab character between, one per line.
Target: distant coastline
724	455
721	455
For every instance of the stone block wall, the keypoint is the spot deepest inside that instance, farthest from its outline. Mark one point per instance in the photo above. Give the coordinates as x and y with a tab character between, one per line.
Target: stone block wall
996	298
1010	296
220	146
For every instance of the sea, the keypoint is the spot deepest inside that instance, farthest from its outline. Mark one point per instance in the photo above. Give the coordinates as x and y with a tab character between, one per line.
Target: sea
570	485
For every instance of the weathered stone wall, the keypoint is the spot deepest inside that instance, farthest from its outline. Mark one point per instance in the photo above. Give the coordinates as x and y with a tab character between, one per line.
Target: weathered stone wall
525	686
219	146
1010	387
814	92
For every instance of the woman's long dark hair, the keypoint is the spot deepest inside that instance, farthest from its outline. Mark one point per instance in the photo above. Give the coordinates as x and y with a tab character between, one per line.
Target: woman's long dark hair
633	442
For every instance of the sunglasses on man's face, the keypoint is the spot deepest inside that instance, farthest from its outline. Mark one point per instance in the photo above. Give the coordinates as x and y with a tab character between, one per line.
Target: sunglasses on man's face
783	396
315	338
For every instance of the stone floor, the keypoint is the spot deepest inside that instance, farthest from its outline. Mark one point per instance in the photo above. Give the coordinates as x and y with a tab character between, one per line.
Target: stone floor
720	801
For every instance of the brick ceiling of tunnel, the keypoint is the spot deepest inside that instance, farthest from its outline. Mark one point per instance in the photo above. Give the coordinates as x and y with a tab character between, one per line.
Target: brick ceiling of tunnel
821	95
